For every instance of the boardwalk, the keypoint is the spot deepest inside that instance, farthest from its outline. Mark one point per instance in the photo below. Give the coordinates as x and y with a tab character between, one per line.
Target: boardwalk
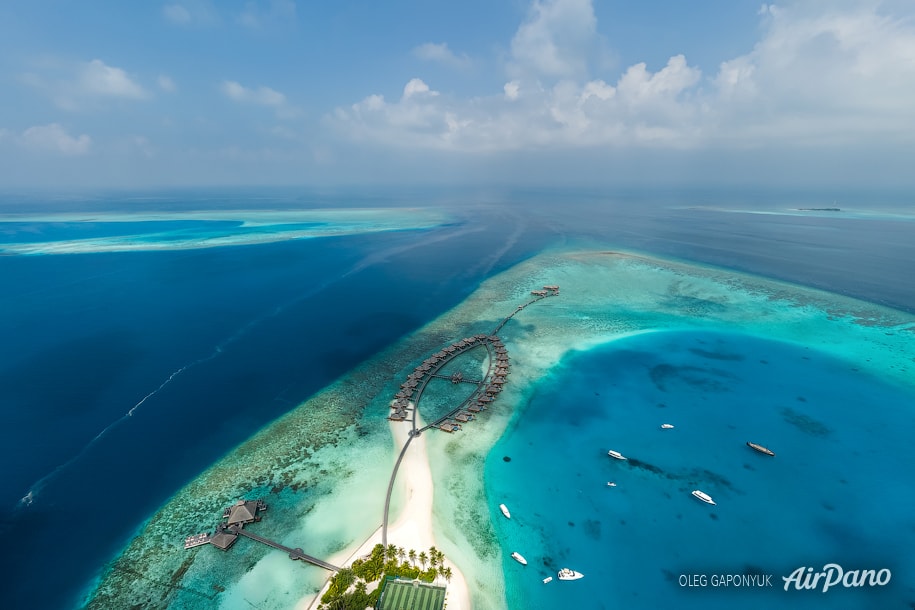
236	516
487	388
293	553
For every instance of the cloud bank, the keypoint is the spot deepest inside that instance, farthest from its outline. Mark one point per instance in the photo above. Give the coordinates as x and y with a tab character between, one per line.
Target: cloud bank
819	75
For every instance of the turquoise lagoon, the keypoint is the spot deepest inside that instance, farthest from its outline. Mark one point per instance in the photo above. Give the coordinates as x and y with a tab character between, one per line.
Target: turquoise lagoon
838	491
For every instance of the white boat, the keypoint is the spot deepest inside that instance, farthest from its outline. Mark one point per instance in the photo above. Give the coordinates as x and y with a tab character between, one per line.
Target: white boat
567	574
505	512
666	426
517	557
703	496
611	484
616	454
547	579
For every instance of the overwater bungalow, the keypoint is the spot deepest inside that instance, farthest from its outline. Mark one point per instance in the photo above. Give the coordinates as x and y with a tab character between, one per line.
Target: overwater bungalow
223	538
539	293
397	416
498	380
493	389
450	349
244	511
449	426
484	399
464	417
475	407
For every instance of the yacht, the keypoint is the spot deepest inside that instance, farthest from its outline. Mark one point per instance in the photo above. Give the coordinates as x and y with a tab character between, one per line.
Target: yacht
760	448
547	579
567	574
703	496
505	512
666	426
611	484
616	454
517	557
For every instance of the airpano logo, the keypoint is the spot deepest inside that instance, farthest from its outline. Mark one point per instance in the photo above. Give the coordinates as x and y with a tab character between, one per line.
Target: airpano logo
832	574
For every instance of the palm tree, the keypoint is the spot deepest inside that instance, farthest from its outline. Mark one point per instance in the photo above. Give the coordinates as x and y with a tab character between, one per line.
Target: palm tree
433	556
423	558
401	554
446	572
412	555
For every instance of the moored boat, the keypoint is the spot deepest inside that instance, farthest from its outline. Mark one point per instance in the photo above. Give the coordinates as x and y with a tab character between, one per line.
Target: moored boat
517	557
567	574
505	512
547	579
666	426
760	448
616	454
703	496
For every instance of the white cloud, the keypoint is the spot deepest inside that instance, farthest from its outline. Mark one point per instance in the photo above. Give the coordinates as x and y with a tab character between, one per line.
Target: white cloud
512	90
417	87
177	14
555	39
82	85
264	96
53	137
260	96
256	15
166	83
820	74
98	79
439	52
191	13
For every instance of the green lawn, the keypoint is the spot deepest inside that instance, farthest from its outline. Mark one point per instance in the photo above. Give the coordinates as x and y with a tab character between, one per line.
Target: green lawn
404	596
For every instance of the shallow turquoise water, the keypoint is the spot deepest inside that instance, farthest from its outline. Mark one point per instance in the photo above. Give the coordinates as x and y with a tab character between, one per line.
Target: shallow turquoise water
838	491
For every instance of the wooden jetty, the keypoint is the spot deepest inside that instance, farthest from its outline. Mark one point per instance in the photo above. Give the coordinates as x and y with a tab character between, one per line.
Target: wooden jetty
237	516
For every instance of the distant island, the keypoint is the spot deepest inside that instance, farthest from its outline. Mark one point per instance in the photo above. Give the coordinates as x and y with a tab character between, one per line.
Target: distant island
819	209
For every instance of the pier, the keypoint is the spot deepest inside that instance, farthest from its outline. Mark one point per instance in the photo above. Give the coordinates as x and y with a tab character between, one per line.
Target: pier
237	516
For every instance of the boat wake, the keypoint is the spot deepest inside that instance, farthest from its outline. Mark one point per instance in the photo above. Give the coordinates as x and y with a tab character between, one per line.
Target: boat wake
372	259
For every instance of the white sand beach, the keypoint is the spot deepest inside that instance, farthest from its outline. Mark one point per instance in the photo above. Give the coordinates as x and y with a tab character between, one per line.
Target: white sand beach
412	528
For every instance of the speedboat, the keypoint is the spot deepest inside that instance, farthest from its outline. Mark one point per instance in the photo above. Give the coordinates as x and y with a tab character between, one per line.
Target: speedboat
666	426
703	496
517	557
547	579
616	454
760	448
611	484
567	574
505	512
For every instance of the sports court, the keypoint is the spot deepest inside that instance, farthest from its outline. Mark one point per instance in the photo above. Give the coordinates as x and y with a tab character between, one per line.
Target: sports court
405	595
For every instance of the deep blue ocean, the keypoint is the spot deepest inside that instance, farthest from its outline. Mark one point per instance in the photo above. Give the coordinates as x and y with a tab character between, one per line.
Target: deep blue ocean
208	346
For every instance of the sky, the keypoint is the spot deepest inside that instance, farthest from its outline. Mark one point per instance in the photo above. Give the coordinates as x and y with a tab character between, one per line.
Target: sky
105	93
